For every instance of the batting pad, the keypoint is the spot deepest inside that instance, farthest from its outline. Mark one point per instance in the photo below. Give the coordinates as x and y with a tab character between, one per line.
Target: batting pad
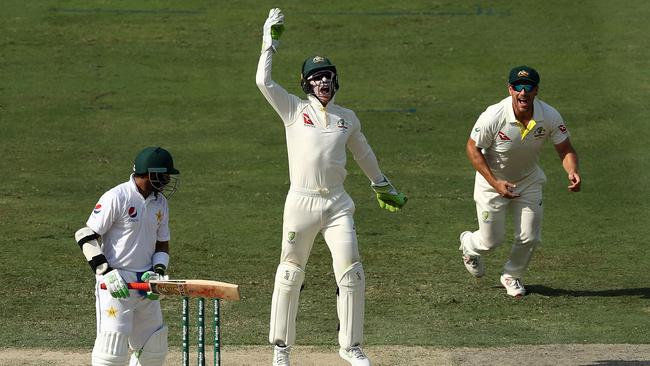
284	305
350	306
154	351
111	349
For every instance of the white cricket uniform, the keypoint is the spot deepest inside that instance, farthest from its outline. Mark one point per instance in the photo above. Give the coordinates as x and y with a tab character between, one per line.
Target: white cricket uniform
317	138
129	226
512	153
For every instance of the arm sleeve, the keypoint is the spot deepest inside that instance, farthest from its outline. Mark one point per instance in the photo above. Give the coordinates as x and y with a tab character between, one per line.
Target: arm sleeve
163	227
485	130
363	154
106	211
559	132
284	103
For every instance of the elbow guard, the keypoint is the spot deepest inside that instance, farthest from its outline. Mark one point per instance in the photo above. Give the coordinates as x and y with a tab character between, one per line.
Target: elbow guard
87	240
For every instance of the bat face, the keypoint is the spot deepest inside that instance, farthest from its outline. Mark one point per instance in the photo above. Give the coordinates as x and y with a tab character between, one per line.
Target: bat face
196	288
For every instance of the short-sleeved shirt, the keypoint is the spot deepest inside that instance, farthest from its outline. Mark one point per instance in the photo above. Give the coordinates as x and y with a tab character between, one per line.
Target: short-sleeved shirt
317	136
512	150
130	225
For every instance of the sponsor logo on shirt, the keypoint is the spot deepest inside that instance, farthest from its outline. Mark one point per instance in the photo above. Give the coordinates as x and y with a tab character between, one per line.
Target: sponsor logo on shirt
504	137
98	209
562	128
307	120
133	213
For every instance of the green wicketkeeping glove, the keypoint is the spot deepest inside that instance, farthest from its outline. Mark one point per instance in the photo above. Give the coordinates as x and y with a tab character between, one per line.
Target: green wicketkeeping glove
272	30
388	197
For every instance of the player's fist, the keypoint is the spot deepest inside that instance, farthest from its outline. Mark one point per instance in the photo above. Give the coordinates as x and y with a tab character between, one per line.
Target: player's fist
152	276
273	29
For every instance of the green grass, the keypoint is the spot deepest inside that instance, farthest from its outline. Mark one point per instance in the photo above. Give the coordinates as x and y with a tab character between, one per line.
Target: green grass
85	86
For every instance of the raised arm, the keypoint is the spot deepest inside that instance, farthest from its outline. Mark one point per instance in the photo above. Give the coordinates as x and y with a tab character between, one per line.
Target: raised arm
283	102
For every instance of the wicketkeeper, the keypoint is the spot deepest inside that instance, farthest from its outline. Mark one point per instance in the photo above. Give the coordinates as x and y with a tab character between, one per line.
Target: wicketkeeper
318	133
504	148
126	239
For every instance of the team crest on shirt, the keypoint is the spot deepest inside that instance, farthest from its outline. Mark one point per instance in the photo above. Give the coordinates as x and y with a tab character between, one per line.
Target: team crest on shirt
562	128
539	132
97	209
485	215
307	120
291	237
342	125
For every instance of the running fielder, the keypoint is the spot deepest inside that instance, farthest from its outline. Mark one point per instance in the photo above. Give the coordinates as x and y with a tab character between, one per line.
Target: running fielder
504	148
126	239
318	132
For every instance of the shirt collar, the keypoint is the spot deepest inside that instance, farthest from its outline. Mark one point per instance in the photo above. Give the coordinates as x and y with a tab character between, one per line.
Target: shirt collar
538	112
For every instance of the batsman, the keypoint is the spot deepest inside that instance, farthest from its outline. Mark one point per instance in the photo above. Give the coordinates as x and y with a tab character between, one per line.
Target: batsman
318	131
126	239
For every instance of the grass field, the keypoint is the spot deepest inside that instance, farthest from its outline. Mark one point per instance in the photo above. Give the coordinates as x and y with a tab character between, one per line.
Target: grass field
85	85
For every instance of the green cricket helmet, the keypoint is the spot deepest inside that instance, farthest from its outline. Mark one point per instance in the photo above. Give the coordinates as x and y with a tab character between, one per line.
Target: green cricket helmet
158	164
311	66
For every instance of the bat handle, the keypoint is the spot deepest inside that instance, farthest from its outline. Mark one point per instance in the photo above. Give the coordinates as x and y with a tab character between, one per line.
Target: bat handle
132	286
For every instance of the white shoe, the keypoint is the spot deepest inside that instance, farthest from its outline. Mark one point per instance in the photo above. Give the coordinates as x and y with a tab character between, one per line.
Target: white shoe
513	286
355	356
281	356
473	263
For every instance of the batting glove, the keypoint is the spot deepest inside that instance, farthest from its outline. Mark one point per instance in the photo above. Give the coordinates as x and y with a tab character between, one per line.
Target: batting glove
115	285
273	29
388	197
152	276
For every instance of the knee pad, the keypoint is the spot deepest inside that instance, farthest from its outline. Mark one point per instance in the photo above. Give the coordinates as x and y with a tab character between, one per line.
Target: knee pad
350	305
154	351
284	305
111	349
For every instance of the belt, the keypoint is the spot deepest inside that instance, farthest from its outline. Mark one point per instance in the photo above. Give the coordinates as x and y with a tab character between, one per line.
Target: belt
318	192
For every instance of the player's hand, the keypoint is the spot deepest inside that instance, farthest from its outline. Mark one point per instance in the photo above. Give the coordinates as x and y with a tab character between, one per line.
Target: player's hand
152	276
273	29
506	189
115	284
575	182
388	197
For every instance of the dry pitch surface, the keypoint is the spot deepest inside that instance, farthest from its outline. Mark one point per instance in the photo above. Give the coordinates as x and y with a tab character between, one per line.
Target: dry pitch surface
555	355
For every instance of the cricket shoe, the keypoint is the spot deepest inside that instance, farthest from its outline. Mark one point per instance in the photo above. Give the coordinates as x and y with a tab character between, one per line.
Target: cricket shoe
473	263
513	286
281	356
355	356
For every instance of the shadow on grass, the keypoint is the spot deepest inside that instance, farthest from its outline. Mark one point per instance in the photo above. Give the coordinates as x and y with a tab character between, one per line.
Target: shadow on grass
618	363
643	292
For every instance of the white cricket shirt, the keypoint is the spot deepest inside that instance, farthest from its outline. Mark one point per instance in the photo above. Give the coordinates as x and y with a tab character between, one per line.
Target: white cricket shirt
130	225
316	136
512	150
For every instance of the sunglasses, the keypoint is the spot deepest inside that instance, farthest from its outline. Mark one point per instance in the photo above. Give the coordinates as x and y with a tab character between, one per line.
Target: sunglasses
526	87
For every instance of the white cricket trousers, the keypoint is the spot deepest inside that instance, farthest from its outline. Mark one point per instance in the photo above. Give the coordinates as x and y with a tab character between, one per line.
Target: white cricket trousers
136	316
491	209
306	213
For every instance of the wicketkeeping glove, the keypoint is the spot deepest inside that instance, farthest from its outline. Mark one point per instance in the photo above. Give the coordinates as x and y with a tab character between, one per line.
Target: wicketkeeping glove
388	197
152	276
273	28
116	285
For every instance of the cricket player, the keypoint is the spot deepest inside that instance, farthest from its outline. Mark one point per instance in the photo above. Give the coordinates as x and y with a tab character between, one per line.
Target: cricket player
318	132
504	147
126	239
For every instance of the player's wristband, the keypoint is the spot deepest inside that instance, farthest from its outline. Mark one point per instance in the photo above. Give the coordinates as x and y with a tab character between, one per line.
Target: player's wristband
160	262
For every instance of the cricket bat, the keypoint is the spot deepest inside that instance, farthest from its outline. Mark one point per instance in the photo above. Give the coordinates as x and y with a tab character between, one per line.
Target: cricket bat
188	288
